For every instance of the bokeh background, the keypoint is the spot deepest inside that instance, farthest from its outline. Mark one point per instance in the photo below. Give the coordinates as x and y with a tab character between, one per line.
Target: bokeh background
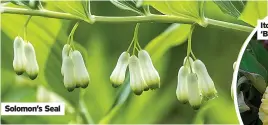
101	44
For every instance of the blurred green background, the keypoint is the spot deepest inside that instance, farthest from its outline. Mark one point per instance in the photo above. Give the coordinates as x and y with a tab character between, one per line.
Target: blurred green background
101	44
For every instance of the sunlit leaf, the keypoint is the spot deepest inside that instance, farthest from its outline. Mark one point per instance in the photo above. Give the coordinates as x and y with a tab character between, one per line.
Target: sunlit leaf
99	95
210	111
123	4
77	8
233	8
33	4
43	37
188	9
121	97
260	12
175	35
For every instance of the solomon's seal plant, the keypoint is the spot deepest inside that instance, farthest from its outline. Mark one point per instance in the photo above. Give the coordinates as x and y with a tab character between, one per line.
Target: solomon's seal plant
136	69
73	67
194	82
24	56
143	75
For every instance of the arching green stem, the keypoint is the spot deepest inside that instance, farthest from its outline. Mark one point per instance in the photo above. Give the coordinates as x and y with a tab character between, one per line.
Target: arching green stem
124	19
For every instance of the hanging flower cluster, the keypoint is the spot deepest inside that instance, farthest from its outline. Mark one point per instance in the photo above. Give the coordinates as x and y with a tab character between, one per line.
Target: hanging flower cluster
263	110
25	58
194	83
143	75
73	69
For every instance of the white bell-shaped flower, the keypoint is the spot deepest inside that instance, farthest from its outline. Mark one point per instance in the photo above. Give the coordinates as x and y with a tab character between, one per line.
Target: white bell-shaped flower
32	67
205	82
182	87
80	71
118	75
150	74
68	78
194	94
241	103
19	61
137	82
64	53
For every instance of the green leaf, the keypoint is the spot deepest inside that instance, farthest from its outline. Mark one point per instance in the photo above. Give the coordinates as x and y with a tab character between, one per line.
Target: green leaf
233	8
99	95
210	112
121	97
257	81
193	10
253	11
123	4
175	35
33	4
43	38
250	64
259	52
77	8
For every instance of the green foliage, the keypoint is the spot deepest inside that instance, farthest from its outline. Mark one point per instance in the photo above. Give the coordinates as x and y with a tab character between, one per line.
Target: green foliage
125	5
259	52
233	8
33	4
260	12
250	64
244	10
77	8
168	39
191	9
101	45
